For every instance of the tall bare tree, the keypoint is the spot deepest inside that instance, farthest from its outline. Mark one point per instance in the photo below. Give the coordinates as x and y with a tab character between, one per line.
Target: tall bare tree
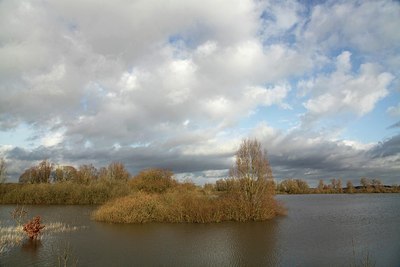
64	174
252	162
117	172
253	172
37	174
86	174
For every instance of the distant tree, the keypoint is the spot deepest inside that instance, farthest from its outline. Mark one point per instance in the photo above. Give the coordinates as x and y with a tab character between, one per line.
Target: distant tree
336	185
333	184
86	174
37	174
320	187
294	186
44	171
303	186
377	185
116	172
64	174
366	184
350	187
26	176
339	186
3	170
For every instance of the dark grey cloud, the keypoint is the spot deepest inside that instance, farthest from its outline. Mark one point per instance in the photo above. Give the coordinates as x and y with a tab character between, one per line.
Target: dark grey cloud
387	148
290	156
311	156
135	159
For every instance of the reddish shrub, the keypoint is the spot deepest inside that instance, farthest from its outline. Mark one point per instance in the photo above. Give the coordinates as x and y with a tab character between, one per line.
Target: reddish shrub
33	228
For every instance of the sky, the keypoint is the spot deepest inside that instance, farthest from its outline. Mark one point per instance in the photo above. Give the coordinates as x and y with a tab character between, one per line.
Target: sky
178	84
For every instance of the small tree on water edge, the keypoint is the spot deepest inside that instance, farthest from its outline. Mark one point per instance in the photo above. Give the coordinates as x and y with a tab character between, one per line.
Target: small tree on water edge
253	175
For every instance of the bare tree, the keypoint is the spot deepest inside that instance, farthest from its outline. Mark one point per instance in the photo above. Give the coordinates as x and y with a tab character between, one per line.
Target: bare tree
27	175
253	172
86	174
321	186
37	174
3	170
44	171
252	162
64	174
116	172
350	187
339	186
294	186
366	184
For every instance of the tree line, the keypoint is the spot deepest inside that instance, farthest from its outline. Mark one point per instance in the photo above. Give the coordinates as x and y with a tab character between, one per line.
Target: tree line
153	195
47	172
298	186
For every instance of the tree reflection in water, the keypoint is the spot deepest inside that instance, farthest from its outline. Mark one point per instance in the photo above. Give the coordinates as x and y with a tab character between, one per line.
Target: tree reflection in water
31	246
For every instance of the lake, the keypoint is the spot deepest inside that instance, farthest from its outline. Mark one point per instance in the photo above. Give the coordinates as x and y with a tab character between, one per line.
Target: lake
319	230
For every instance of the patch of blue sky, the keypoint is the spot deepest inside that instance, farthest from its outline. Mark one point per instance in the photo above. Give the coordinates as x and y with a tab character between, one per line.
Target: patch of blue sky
374	126
195	34
308	5
180	44
288	37
274	116
19	137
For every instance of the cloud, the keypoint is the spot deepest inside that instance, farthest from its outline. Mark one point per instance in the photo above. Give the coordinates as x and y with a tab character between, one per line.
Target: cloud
338	24
345	91
312	156
394	110
396	125
170	85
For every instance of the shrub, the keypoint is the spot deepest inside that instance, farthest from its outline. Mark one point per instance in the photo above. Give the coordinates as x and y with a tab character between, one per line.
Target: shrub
33	228
153	181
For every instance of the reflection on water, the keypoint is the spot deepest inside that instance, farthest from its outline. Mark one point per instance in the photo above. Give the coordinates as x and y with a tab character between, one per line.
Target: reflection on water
31	246
319	230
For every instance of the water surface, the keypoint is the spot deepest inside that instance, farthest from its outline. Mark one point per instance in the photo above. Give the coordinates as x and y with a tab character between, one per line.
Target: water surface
319	230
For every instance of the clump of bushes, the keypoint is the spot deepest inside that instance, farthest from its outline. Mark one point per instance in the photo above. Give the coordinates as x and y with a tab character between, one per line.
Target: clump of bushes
247	195
178	204
153	181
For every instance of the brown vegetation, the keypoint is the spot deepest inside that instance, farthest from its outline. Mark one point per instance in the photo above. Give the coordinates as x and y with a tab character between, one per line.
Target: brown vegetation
246	195
33	228
62	193
185	202
293	186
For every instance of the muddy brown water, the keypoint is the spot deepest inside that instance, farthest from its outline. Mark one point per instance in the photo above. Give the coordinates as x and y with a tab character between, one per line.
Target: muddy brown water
319	230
